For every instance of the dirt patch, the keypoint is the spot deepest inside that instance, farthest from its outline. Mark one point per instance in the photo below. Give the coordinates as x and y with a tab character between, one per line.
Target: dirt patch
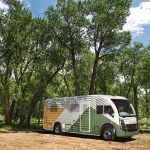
47	141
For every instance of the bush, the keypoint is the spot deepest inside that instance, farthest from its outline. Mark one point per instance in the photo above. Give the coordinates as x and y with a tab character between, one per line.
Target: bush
19	127
144	121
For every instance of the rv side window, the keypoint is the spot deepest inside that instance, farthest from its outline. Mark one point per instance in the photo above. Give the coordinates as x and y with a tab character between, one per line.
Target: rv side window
108	110
74	108
99	109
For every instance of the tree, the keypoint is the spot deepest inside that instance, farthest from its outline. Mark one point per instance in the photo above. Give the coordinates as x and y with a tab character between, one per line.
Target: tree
130	62
50	59
12	43
144	78
106	19
29	56
106	71
67	21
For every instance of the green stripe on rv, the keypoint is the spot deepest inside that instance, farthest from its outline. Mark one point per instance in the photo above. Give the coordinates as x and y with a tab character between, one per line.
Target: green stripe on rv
96	122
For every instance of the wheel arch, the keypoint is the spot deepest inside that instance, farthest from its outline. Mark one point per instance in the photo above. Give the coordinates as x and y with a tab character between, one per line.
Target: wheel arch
107	125
55	124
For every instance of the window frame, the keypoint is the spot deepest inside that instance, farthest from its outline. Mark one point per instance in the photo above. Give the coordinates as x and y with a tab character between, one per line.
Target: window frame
102	109
112	112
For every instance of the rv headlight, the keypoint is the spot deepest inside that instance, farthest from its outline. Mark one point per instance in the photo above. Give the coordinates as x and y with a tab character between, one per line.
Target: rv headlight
122	124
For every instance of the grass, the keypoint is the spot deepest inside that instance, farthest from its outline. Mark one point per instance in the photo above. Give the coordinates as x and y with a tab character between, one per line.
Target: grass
33	127
144	121
19	127
15	126
1	117
144	131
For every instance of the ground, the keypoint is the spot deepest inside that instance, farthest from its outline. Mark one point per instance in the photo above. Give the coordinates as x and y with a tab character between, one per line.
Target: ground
48	141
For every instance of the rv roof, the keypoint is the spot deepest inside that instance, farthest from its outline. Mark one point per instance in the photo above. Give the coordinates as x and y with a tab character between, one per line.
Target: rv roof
117	97
102	96
110	96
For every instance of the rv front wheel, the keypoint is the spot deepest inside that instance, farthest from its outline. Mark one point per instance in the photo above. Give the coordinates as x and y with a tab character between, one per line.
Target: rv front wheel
108	134
57	129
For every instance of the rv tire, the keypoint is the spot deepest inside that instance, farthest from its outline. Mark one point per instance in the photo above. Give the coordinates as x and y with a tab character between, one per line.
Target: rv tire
108	134
57	129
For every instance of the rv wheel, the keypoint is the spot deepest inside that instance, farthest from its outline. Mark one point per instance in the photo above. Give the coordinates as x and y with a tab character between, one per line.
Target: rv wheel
108	134
57	129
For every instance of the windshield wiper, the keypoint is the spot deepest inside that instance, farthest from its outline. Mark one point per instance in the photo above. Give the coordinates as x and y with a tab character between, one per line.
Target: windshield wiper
127	116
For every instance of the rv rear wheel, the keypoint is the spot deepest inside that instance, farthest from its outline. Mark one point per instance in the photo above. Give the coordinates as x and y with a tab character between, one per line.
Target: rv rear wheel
108	134
57	129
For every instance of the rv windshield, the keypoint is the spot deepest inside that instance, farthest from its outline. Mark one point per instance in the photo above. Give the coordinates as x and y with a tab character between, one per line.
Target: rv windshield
124	108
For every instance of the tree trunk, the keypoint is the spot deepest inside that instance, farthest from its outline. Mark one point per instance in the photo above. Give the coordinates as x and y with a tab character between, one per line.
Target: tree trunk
12	107
6	95
93	78
6	106
22	107
44	81
39	118
40	107
66	83
131	82
147	105
105	90
16	115
135	91
28	120
75	74
22	113
36	98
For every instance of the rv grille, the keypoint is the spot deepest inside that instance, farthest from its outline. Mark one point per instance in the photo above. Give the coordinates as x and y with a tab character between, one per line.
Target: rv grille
132	127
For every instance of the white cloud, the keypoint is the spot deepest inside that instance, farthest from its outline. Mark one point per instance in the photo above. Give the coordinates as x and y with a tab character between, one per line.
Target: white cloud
89	17
138	18
26	2
3	6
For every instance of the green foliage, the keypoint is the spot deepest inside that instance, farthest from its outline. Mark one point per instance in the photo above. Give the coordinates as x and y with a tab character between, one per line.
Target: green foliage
51	57
107	18
1	117
106	75
85	62
144	121
19	127
144	73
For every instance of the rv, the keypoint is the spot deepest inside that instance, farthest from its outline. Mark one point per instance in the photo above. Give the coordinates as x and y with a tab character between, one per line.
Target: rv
101	115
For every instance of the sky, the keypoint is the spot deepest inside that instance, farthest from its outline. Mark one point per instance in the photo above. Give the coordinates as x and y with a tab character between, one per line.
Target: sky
138	22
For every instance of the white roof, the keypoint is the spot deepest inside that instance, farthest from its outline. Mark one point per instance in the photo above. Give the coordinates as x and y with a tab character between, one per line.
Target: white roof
101	96
114	97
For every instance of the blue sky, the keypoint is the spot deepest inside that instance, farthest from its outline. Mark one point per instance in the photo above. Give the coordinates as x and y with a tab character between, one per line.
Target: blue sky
39	6
138	23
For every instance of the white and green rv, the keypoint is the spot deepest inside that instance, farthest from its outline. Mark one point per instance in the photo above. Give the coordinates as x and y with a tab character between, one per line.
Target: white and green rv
104	115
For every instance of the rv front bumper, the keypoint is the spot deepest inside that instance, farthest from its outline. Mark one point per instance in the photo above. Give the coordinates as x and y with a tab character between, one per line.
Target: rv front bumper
123	133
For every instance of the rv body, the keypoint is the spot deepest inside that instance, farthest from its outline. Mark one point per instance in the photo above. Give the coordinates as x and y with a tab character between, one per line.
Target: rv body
106	115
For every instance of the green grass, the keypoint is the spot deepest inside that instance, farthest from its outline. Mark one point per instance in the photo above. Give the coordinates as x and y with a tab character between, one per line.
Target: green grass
19	127
1	117
144	125
15	126
34	121
144	121
144	131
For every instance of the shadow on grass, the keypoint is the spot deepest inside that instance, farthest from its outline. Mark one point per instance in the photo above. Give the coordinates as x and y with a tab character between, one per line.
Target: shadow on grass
33	128
145	131
85	136
18	127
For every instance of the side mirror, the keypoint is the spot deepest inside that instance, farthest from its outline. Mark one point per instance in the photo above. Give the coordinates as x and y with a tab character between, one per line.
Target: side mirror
111	113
